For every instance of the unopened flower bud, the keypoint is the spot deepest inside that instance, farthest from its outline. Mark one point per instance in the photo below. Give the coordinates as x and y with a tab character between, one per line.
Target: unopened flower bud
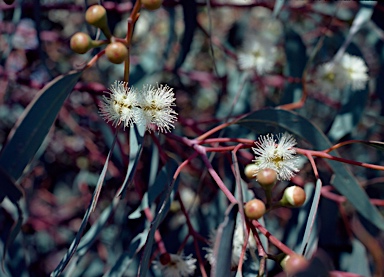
165	258
254	209
293	264
96	15
81	43
116	52
151	4
293	196
250	171
267	177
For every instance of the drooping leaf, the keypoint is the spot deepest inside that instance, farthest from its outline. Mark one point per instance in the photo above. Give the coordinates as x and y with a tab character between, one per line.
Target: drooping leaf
296	60
271	120
8	188
377	144
223	243
362	17
163	208
277	8
136	137
73	247
33	125
122	264
311	217
190	24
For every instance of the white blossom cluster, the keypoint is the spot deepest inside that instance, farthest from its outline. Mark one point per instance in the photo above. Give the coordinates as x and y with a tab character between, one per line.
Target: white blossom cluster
260	49
277	154
178	266
151	106
348	70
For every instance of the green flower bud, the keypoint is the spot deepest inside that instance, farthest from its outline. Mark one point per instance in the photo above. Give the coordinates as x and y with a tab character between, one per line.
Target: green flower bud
116	52
81	43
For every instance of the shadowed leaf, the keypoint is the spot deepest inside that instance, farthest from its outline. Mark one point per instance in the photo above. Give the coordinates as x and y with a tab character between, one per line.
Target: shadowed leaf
223	243
167	177
31	128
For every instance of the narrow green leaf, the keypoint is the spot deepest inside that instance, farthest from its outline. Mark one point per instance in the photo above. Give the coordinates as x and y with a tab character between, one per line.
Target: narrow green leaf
277	8
30	130
311	217
8	188
167	173
377	144
362	17
271	120
73	247
124	261
223	243
136	137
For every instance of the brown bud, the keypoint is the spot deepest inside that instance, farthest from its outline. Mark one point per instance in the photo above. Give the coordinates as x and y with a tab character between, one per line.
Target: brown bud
293	264
294	196
254	209
151	4
80	43
165	258
116	52
266	177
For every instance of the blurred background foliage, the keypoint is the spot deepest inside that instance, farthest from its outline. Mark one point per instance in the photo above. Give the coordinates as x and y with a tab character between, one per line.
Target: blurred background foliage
192	47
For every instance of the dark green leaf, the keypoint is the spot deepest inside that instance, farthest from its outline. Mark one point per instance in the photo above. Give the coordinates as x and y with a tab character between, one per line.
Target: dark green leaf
296	60
167	177
8	188
190	24
33	125
73	247
271	120
223	243
121	265
136	137
377	144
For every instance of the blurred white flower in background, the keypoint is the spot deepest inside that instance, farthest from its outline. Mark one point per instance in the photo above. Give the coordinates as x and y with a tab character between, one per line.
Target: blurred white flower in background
176	265
349	70
258	54
355	70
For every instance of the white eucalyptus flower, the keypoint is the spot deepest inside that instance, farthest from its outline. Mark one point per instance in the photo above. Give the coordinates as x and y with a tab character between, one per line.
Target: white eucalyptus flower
328	77
178	266
348	70
156	105
259	55
355	70
121	106
277	154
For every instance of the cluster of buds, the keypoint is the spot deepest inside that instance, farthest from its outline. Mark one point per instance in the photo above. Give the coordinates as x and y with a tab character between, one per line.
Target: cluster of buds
117	49
275	161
